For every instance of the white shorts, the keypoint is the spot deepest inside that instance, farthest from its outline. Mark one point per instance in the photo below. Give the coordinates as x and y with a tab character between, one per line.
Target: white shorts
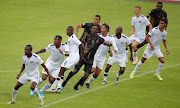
53	71
133	38
121	62
148	53
25	78
99	64
69	62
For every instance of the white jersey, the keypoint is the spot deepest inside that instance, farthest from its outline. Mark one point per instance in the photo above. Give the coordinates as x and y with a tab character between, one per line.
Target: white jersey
139	25
32	64
56	58
73	45
156	37
121	45
103	49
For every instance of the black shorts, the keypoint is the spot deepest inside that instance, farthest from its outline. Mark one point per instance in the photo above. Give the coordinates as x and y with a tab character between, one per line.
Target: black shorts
87	67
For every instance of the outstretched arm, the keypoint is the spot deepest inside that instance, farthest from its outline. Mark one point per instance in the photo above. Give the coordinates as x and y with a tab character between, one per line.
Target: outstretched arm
77	29
41	51
165	45
130	47
22	69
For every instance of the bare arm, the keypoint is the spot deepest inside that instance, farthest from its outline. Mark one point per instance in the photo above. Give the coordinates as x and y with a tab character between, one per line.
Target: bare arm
22	69
77	29
150	27
82	52
130	47
165	45
133	30
45	68
148	16
148	40
41	51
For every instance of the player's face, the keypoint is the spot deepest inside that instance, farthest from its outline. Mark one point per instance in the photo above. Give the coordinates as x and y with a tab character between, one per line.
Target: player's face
57	41
27	50
137	11
96	20
94	30
69	31
118	31
162	24
159	7
103	29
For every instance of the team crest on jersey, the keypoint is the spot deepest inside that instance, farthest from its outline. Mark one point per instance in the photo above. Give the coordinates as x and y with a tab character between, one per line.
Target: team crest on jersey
139	21
31	62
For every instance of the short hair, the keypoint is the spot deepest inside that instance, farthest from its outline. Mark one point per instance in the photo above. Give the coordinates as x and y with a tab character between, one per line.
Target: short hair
29	46
159	3
98	16
119	28
138	7
58	36
106	26
164	20
70	27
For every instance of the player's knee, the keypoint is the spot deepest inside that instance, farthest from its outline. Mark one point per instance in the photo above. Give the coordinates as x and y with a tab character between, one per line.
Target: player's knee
95	75
162	61
16	87
121	71
32	88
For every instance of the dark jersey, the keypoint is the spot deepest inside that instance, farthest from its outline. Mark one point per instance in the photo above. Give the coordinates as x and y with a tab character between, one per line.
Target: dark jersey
91	45
87	30
156	16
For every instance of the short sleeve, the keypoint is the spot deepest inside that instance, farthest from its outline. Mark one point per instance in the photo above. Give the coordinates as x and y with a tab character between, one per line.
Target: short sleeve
151	12
40	61
151	32
132	21
128	41
76	40
165	14
23	62
84	25
146	21
48	48
164	38
66	48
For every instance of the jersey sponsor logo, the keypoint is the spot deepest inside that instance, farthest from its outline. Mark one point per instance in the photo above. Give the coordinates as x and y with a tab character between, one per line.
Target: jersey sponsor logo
63	44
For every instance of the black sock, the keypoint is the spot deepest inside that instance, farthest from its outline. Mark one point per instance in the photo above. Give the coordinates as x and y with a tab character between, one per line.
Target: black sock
80	81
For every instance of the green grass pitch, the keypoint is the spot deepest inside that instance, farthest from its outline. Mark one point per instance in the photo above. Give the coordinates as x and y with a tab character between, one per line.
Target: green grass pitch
36	22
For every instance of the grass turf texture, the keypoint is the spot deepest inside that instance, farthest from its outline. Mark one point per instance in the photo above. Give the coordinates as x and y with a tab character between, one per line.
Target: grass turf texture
36	22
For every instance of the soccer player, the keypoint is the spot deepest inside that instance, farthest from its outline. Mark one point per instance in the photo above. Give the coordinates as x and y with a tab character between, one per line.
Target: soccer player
87	27
58	51
154	38
139	23
155	16
91	43
73	44
101	53
121	41
31	63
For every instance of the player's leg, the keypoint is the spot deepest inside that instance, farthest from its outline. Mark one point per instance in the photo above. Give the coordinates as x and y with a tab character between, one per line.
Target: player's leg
106	72
137	67
142	44
60	77
161	63
134	46
15	90
122	69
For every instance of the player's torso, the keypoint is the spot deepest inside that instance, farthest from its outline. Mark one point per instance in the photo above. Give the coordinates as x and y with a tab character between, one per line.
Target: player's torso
139	25
73	48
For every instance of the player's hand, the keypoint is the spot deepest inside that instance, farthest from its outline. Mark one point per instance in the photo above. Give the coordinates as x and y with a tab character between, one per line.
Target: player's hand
152	47
131	58
60	51
167	51
18	76
115	51
111	54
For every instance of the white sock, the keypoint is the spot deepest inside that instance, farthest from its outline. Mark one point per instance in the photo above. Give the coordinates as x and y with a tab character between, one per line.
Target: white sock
54	84
137	66
39	82
105	75
36	92
159	68
91	79
47	85
14	94
60	82
126	55
135	55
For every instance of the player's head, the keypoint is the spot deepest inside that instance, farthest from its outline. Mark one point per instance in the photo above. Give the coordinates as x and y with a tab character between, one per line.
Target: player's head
70	30
97	19
119	30
159	6
105	28
57	40
94	30
137	10
28	49
162	23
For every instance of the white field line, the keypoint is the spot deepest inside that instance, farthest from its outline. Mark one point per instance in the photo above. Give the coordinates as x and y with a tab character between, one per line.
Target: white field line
88	91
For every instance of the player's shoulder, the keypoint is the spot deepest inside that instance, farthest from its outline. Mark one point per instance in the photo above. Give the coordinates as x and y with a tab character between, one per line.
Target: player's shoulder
109	35
114	35
165	31
51	45
154	10
35	55
73	36
163	11
124	36
63	44
134	16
